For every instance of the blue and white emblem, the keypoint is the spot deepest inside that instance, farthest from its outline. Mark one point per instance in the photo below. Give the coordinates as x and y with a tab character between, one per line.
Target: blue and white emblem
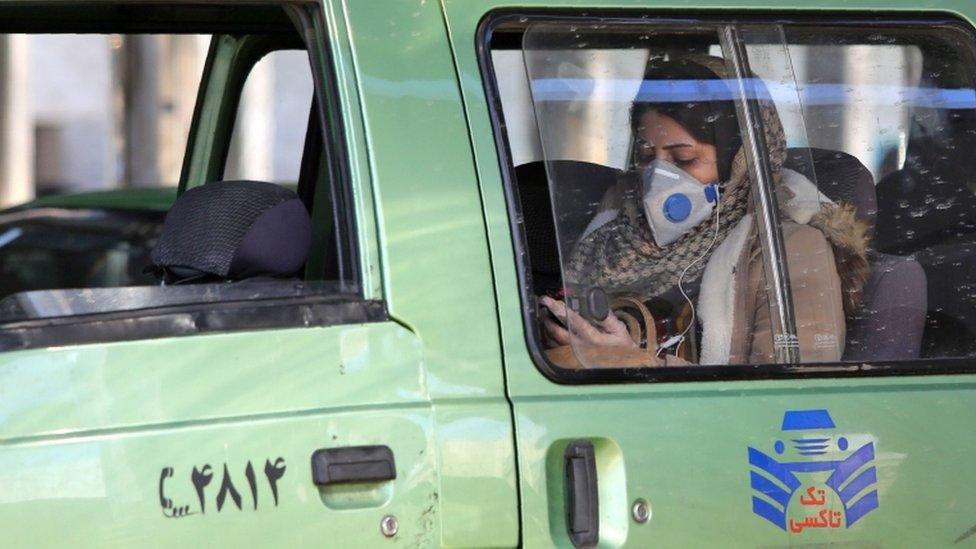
818	480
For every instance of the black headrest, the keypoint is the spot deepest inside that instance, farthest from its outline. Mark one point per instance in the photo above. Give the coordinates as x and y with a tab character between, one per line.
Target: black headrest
583	185
231	230
839	176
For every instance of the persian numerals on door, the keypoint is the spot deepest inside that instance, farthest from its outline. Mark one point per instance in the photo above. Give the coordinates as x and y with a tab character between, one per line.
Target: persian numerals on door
218	488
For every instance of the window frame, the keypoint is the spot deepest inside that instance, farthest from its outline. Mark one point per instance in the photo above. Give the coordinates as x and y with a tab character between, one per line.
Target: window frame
253	50
316	310
512	23
312	181
330	170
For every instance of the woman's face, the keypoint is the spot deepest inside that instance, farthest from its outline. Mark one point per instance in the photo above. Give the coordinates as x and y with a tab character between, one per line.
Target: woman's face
660	137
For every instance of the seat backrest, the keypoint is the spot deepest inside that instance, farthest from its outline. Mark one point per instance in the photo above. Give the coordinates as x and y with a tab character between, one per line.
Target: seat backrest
839	176
233	230
891	322
583	185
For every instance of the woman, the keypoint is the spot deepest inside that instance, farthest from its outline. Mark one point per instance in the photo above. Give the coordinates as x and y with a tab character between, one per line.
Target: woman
712	258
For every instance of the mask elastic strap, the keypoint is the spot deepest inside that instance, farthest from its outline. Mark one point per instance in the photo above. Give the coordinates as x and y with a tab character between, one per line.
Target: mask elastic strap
680	338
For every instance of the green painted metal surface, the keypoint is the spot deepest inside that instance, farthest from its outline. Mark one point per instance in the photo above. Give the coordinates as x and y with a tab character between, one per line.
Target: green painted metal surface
437	276
684	446
89	432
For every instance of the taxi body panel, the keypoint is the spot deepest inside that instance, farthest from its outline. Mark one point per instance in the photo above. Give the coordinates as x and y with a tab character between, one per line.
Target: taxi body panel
149	412
110	440
115	439
683	447
436	271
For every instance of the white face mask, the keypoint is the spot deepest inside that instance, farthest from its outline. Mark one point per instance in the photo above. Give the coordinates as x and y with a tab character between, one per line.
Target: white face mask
674	201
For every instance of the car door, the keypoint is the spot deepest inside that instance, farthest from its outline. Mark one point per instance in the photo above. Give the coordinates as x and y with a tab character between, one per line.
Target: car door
860	449
296	414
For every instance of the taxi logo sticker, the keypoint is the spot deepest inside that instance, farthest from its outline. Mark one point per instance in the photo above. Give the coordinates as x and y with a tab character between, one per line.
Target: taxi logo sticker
819	481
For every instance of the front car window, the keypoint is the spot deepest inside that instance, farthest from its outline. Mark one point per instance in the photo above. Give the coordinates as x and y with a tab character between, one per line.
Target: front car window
97	151
106	129
715	194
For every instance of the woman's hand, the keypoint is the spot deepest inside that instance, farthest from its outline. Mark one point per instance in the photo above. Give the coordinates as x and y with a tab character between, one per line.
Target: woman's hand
609	332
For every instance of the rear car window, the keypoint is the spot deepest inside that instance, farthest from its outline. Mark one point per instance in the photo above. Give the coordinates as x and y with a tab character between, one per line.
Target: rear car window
714	194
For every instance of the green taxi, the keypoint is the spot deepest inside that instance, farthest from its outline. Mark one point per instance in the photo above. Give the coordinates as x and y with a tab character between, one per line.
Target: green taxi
437	372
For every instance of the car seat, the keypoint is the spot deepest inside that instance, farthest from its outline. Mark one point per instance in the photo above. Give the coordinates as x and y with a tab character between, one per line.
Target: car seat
928	209
584	185
891	322
232	231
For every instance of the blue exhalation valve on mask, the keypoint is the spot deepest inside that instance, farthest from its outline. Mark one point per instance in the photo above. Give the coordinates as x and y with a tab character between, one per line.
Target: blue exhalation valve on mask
674	201
677	207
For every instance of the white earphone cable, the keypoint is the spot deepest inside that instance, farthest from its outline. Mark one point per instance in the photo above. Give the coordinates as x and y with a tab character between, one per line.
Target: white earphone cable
691	324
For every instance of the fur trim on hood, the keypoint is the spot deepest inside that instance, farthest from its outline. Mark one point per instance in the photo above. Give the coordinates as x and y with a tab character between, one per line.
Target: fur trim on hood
849	238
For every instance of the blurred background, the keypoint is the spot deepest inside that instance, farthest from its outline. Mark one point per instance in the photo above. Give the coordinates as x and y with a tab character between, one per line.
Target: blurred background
92	112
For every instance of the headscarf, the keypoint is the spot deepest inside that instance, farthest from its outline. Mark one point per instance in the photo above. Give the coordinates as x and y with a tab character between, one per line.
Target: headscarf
622	256
713	121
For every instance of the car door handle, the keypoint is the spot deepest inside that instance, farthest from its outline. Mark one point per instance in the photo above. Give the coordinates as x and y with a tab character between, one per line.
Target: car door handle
352	464
582	499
